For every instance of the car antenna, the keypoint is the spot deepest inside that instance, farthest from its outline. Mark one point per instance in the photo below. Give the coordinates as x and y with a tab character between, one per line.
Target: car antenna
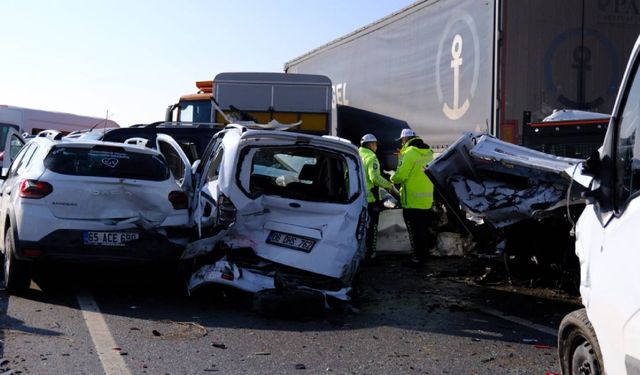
100	122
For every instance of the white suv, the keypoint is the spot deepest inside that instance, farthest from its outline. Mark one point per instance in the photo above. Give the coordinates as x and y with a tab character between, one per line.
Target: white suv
91	201
278	209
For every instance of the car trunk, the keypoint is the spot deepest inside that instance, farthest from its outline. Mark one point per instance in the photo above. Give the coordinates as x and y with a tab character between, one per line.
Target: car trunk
107	182
95	198
309	195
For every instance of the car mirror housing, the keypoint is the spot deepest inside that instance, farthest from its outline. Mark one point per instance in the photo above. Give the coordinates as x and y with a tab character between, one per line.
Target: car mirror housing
593	165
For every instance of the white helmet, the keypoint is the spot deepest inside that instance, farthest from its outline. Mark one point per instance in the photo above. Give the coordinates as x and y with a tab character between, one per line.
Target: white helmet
368	138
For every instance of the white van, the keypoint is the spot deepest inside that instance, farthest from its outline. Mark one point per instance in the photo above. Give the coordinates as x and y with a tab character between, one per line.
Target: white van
604	337
16	122
33	121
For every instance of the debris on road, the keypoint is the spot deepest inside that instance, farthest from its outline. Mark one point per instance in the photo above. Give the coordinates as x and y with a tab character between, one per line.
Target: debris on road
300	366
218	345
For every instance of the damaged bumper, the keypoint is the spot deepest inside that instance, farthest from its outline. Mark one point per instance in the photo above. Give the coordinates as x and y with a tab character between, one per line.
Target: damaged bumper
229	274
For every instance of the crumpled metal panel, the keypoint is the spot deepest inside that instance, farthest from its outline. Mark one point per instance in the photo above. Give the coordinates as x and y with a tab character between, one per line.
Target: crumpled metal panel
486	181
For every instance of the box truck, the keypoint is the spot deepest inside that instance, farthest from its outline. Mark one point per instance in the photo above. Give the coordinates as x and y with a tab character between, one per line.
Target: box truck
286	98
444	67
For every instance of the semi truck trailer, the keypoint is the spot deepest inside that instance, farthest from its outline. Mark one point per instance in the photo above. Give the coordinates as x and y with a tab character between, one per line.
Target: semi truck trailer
444	67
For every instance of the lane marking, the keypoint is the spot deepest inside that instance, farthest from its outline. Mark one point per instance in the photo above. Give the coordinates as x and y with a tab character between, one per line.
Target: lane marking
515	319
111	360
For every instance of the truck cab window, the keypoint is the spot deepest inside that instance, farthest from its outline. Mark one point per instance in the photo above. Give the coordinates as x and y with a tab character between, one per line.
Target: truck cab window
627	146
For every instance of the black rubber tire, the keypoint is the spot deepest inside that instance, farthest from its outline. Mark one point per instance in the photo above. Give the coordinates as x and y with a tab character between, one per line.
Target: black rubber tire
578	347
289	304
17	273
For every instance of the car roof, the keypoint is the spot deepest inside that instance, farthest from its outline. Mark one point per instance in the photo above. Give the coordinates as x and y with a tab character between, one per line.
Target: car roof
87	143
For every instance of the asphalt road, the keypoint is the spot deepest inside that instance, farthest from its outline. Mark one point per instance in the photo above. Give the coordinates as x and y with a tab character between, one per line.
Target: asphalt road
88	320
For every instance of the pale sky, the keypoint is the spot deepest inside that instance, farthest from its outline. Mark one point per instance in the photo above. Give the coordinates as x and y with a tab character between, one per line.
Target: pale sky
134	58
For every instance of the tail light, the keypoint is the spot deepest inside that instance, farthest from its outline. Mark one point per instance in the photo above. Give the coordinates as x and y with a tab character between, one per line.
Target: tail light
1	155
361	229
226	210
179	200
34	189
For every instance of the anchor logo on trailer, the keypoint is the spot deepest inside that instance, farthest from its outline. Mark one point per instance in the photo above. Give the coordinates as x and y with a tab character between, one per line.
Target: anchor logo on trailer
456	53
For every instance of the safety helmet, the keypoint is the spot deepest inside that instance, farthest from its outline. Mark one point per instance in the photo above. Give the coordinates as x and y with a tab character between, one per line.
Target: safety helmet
368	138
406	133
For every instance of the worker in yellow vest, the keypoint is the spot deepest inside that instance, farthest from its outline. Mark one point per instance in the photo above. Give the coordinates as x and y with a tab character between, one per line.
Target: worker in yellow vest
367	151
416	193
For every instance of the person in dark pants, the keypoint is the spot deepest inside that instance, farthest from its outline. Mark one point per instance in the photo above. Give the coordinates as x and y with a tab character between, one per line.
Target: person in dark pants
416	193
367	151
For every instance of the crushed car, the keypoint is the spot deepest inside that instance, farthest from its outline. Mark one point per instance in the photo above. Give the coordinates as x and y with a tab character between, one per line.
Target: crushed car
277	211
510	197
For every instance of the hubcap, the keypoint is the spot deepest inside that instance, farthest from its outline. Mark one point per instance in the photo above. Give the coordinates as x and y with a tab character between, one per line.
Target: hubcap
584	359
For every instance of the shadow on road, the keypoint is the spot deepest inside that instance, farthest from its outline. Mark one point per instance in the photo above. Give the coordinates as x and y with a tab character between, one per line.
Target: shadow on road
387	295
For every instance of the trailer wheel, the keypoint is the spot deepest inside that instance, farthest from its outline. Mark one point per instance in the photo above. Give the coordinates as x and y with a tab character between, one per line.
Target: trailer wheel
17	273
578	347
289	304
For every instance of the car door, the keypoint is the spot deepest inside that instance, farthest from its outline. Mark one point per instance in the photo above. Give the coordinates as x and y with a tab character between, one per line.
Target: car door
177	160
206	191
13	142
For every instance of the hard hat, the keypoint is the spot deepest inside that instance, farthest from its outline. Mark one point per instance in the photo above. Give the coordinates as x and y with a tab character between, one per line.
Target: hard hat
368	138
406	133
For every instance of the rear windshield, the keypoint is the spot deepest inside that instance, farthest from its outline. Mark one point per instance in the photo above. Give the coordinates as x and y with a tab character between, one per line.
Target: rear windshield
101	161
300	173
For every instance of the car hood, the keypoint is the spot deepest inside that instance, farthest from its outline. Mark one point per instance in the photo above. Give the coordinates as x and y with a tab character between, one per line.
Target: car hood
489	184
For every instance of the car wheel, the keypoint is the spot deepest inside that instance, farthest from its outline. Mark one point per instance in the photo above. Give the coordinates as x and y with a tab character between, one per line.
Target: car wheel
17	273
289	304
578	347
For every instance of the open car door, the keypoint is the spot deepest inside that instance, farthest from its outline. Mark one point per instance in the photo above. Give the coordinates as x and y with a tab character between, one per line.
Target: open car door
12	144
177	160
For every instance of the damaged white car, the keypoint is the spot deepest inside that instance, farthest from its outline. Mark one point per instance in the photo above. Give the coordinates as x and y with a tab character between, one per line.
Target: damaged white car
91	202
520	200
278	210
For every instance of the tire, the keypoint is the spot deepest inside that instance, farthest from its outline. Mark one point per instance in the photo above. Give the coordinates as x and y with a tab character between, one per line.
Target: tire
17	273
578	347
294	304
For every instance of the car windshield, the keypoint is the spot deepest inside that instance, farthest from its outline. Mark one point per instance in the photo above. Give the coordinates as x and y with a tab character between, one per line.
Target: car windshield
299	172
106	161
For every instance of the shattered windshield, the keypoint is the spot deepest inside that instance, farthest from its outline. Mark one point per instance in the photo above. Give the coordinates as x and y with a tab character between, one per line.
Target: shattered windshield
300	173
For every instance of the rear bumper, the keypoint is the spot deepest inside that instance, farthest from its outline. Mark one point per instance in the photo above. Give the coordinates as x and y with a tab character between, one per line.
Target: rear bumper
68	246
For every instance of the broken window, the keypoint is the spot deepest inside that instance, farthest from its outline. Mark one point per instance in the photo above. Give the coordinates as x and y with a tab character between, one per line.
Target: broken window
298	172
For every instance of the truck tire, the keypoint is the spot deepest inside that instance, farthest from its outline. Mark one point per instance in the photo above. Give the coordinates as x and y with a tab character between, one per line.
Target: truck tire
578	347
289	304
17	273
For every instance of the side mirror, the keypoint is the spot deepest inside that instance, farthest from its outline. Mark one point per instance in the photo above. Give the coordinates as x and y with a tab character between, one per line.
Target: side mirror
593	165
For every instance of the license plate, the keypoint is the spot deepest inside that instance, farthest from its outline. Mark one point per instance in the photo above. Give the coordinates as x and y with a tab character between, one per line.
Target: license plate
109	238
290	241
